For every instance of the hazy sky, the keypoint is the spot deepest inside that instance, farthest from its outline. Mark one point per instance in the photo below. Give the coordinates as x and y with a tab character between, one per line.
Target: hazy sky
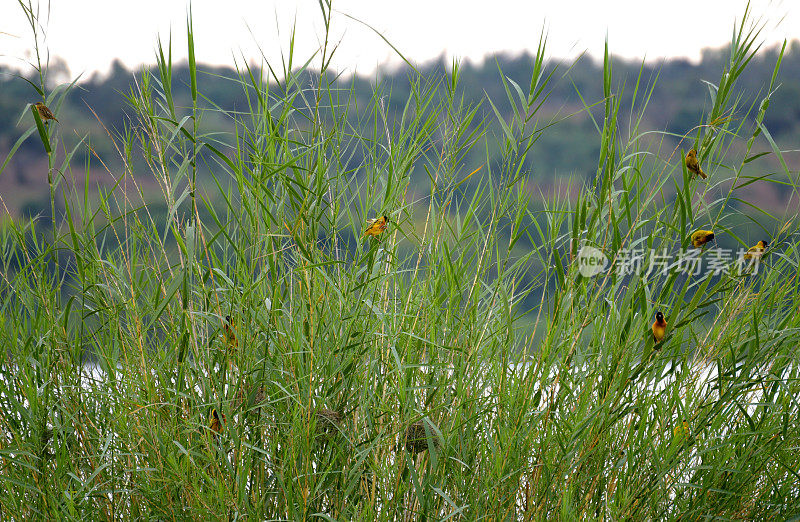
90	34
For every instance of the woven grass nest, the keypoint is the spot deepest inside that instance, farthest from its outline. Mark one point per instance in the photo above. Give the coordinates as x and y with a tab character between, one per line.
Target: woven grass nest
328	423
416	439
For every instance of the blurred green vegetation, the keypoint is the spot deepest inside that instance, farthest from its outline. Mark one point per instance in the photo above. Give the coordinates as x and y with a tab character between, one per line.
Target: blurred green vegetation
98	108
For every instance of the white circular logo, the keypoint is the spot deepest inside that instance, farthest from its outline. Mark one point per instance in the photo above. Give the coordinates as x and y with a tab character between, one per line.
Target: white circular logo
591	261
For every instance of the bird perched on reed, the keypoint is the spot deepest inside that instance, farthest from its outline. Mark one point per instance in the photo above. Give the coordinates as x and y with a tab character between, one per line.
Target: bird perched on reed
693	165
701	237
376	226
659	327
216	422
230	334
416	440
44	113
681	432
757	251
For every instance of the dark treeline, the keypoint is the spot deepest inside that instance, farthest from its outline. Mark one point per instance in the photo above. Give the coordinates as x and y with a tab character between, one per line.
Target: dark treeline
98	106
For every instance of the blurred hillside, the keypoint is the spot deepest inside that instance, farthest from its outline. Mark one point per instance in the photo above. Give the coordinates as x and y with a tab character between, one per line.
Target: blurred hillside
97	109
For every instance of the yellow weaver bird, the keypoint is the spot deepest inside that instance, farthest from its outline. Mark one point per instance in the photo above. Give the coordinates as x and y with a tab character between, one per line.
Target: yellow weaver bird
659	328
693	165
757	251
216	424
701	237
377	226
681	431
44	113
230	335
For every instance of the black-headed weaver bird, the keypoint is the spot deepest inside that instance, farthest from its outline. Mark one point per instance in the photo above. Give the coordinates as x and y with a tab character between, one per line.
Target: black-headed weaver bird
230	334
757	251
659	327
44	113
701	237
376	226
216	422
693	165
